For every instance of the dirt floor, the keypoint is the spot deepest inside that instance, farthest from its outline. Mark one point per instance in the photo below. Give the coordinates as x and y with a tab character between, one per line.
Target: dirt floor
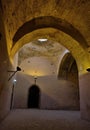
35	119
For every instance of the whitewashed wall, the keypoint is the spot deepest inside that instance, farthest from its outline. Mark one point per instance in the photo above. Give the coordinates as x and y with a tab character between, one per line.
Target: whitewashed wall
55	94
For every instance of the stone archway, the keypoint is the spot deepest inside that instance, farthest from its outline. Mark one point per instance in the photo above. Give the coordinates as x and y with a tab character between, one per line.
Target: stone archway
73	44
55	29
68	68
68	71
47	22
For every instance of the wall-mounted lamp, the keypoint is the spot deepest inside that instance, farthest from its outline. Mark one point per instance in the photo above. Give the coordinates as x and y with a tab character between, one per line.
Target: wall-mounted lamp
18	69
88	69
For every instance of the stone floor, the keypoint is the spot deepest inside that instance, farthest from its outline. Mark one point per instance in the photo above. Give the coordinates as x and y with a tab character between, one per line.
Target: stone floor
33	119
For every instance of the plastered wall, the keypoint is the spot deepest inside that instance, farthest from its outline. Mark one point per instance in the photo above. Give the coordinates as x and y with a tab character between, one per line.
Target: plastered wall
84	83
54	93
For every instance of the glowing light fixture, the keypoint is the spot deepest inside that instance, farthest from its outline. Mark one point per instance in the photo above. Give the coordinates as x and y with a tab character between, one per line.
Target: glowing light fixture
14	80
42	39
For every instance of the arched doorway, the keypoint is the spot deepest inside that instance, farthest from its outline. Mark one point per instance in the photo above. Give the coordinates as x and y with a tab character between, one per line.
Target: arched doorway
33	96
68	70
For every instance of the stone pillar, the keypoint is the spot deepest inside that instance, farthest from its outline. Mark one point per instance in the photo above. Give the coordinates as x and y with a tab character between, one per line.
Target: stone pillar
5	89
84	84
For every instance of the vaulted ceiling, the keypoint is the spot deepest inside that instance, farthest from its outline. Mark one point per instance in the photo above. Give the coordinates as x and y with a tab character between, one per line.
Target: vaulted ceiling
42	56
61	21
16	13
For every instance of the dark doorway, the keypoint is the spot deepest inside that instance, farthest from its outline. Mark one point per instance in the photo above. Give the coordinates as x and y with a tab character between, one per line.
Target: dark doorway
33	96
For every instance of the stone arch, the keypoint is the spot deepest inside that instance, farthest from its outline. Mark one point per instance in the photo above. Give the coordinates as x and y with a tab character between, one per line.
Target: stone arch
49	21
68	69
74	44
57	29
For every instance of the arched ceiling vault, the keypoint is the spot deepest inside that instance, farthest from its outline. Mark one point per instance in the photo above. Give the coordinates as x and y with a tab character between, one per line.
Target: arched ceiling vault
17	13
67	65
53	34
65	22
53	22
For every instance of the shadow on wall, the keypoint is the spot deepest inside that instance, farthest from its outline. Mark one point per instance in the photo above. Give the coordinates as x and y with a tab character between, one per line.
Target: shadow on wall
33	96
52	93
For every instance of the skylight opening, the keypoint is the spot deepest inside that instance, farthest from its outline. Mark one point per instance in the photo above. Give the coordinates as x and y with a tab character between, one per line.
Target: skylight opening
42	39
